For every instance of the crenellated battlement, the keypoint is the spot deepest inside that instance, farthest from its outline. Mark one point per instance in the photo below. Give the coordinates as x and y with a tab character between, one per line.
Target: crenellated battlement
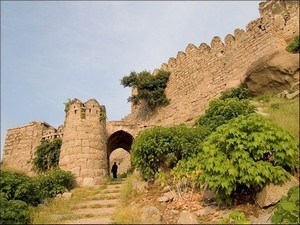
201	73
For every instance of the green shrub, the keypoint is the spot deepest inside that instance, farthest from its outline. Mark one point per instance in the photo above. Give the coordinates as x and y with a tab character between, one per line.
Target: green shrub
287	210
150	88
67	105
294	46
248	151
54	182
240	93
13	211
161	148
221	111
235	217
16	186
46	155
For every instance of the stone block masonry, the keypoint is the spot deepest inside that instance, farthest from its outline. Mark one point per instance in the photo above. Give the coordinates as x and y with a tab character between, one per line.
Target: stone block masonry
83	150
200	74
21	141
197	76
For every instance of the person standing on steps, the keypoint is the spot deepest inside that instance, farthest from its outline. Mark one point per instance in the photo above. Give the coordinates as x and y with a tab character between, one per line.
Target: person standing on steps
114	170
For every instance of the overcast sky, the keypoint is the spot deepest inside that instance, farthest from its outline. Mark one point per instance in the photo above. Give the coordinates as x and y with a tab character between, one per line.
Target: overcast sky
55	50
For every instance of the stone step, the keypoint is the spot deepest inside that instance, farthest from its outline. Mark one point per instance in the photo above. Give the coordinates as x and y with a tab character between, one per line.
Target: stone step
95	211
106	202
93	220
107	196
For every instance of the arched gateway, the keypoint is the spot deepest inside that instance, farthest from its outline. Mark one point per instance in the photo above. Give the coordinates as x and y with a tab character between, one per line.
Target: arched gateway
88	141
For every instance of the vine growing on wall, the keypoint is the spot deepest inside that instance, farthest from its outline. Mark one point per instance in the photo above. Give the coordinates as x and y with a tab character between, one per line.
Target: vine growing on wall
67	105
46	155
150	89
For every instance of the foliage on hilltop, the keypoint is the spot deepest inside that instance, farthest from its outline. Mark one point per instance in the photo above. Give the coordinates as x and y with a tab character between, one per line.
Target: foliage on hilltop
150	88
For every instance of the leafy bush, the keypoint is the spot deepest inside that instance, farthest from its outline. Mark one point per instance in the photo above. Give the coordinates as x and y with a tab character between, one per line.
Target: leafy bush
287	210
221	111
54	182
13	211
248	151
150	88
19	191
294	46
46	155
161	148
240	93
235	217
16	186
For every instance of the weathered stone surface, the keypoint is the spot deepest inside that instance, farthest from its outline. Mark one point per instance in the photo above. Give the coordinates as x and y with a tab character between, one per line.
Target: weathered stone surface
140	186
150	215
274	72
88	182
163	199
271	193
292	95
67	195
170	195
166	189
187	217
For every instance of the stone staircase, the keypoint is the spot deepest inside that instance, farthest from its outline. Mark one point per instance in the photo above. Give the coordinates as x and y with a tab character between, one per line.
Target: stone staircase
95	209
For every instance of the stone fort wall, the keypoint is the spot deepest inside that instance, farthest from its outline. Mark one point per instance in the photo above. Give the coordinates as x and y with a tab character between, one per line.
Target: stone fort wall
197	75
21	141
201	73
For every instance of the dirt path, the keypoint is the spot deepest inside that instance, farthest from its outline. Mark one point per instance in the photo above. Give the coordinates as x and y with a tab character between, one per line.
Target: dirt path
96	209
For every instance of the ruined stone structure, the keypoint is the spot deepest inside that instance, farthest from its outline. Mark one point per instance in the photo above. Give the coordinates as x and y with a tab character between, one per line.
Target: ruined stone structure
197	75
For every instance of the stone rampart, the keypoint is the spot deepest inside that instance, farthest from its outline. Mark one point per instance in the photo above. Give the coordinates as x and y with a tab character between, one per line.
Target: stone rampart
20	144
201	73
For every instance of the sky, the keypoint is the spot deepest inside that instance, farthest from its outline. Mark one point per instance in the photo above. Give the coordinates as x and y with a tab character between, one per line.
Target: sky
52	51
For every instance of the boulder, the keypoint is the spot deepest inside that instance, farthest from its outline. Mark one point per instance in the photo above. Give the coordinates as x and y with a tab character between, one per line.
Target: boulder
140	186
163	199
187	217
271	193
150	215
170	195
166	189
67	195
273	73
292	95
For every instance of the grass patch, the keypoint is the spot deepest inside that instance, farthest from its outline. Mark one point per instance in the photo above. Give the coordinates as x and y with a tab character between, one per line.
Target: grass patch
9	169
61	209
283	112
124	214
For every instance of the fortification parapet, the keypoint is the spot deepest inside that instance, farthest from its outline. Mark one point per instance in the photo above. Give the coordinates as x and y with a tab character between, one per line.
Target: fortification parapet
201	74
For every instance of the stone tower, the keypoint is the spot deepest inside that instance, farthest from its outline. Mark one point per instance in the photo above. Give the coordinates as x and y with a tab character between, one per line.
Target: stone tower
84	150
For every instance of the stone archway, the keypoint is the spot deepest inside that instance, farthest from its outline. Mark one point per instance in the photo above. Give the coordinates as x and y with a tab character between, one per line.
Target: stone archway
117	141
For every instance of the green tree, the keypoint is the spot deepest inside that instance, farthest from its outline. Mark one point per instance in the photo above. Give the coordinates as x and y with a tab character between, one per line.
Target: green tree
150	89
